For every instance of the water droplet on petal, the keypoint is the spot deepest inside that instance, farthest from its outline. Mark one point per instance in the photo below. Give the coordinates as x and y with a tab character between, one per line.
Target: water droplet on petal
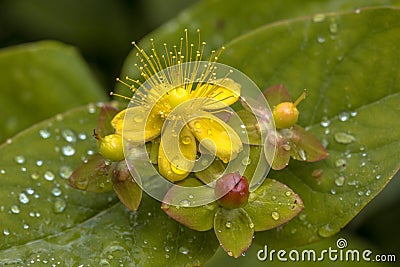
186	140
275	215
344	138
228	224
68	151
230	253
251	225
19	159
197	125
184	203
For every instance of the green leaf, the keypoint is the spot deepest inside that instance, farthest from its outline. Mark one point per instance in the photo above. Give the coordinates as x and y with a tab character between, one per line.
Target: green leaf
336	58
127	190
234	230
272	204
224	22
43	219
93	175
39	80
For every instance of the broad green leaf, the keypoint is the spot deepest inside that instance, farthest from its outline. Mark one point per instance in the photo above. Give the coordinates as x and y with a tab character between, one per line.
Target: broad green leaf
93	175
200	218
43	219
39	80
234	230
337	59
272	204
228	19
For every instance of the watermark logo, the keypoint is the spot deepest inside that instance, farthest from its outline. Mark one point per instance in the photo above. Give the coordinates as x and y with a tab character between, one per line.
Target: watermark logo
339	253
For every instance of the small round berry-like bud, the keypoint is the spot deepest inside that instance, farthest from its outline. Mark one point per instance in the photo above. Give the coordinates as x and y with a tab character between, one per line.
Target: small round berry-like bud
232	191
177	96
286	114
111	147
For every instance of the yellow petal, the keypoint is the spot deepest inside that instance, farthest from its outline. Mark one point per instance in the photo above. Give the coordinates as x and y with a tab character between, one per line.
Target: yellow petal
176	156
222	93
137	124
216	136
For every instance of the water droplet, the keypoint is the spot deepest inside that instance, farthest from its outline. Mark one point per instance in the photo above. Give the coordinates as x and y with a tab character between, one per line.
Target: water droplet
35	175
138	118
273	198
228	224
302	217
378	177
317	173
68	151
333	191
251	225
357	11
26	226
302	154
246	161
325	231
59	205
39	163
186	140
321	39
183	250
209	132
288	193
333	27
230	253
344	116
30	191
286	147
318	18
6	232
56	192
360	193
23	198
184	203
69	135
368	192
44	133
197	125
82	136
65	172
49	176
91	108
275	215
19	159
2	171
339	181
15	209
293	231
325	122
344	138
341	163
353	113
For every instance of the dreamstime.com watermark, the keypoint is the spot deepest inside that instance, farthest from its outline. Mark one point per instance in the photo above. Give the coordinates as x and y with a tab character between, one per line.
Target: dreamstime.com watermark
339	253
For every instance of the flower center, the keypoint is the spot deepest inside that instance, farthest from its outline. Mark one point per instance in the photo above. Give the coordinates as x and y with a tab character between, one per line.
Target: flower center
177	96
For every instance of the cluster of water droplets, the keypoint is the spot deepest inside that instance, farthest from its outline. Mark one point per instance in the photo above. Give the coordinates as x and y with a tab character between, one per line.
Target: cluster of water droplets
44	182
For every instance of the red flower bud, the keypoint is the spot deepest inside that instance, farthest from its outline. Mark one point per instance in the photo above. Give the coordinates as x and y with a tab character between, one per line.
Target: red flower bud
232	191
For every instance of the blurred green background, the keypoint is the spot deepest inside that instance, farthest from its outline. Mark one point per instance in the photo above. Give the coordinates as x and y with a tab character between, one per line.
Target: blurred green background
103	30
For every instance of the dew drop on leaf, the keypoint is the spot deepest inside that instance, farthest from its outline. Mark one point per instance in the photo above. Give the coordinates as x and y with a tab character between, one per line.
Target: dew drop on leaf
65	172
344	138
23	198
39	163
69	135
184	203
68	151
15	209
56	192
318	18
344	116
183	250
275	215
35	175
44	133
49	176
19	159
59	205
228	224
339	181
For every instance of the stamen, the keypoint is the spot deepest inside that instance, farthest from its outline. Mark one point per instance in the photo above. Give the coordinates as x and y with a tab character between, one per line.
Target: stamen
301	97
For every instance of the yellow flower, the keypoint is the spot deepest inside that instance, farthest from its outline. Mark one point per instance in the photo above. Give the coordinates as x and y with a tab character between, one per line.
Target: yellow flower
177	101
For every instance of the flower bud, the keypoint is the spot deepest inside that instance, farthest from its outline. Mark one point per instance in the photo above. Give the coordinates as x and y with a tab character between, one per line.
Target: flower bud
111	146
232	191
286	113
